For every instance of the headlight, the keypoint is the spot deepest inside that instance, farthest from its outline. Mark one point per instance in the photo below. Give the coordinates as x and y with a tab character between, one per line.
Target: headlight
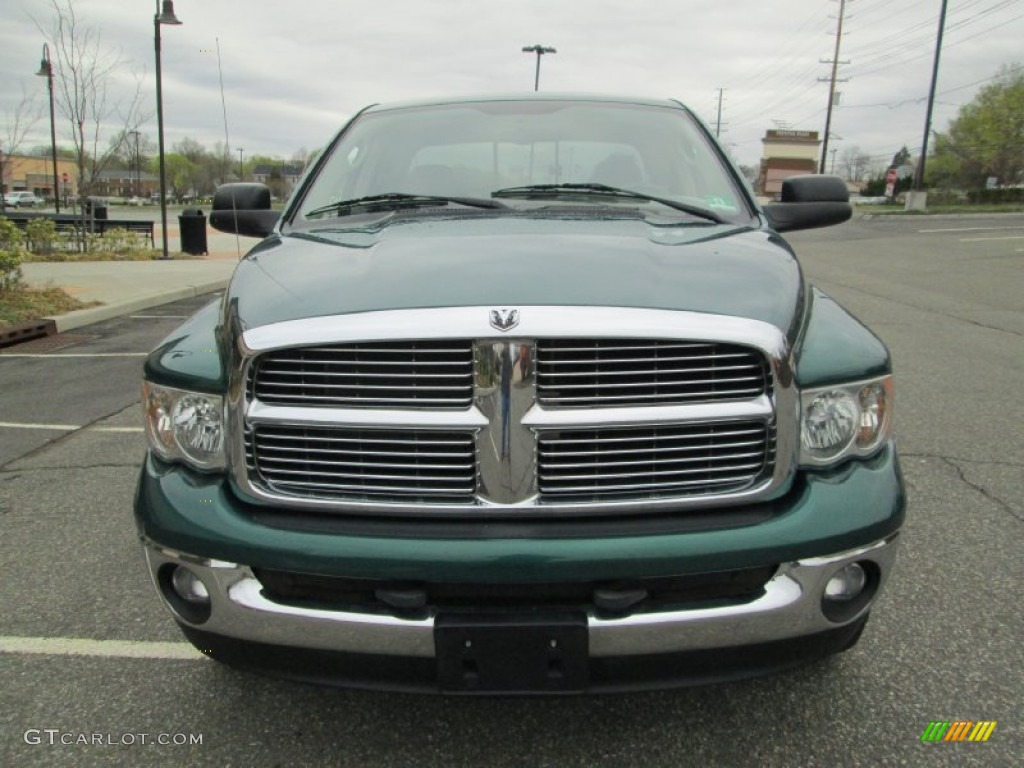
184	426
844	420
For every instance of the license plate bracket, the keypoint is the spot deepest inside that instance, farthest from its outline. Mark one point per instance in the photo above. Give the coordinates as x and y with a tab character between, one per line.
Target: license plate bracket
546	653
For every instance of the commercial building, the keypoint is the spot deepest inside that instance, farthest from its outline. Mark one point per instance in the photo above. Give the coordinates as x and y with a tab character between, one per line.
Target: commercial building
786	153
35	174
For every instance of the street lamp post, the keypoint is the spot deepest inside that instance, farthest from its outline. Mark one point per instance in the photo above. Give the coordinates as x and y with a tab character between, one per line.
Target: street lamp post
241	172
162	17
46	70
138	166
540	50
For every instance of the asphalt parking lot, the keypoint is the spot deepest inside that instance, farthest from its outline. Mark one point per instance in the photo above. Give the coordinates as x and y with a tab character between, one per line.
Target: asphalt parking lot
87	650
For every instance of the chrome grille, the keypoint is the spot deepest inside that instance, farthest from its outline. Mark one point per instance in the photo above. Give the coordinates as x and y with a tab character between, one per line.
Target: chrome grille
627	372
371	464
654	461
422	374
666	411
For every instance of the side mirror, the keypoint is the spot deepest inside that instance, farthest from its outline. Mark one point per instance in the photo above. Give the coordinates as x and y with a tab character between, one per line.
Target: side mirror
810	201
243	209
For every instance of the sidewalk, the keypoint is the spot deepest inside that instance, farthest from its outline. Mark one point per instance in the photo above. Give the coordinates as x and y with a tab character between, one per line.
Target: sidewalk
129	286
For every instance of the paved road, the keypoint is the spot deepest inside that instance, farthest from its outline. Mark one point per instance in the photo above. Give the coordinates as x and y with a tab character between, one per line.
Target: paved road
943	644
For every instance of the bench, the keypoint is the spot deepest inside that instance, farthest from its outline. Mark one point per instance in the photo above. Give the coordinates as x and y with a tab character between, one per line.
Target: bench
132	225
70	222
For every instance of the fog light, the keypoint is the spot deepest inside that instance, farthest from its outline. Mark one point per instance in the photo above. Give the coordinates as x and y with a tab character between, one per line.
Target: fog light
847	583
189	587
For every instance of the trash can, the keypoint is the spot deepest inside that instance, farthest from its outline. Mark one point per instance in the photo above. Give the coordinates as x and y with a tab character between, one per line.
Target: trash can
192	225
96	209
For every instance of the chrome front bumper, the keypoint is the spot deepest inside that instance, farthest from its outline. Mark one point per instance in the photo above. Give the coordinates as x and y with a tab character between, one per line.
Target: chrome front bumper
790	607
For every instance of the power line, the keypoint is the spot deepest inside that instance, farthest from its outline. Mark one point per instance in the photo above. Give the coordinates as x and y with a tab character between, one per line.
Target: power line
895	55
919	99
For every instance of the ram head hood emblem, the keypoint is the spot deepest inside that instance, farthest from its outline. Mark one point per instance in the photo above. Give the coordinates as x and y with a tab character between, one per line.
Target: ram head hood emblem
504	319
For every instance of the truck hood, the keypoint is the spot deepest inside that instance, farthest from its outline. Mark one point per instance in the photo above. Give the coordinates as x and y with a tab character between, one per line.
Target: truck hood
503	261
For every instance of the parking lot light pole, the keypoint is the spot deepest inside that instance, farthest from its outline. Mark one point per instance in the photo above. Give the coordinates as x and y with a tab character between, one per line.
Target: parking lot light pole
540	50
46	70
138	166
162	17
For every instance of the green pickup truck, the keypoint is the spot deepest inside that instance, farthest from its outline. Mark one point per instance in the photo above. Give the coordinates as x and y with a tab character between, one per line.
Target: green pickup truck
521	394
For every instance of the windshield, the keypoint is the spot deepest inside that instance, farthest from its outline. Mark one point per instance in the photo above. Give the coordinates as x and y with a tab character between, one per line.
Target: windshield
472	150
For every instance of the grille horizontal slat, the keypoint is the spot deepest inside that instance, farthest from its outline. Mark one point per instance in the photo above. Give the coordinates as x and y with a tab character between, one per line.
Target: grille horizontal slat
662	462
696	434
654	371
715	485
669	382
647	461
615	359
424	438
354	491
365	375
659	398
587	345
366	478
376	363
585	372
627	452
364	464
356	387
421	374
275	461
271	450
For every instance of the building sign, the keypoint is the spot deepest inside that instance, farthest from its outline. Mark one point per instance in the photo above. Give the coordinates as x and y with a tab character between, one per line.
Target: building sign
786	134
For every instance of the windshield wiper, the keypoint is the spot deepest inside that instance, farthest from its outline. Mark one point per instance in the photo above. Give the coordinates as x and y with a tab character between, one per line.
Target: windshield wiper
390	200
553	190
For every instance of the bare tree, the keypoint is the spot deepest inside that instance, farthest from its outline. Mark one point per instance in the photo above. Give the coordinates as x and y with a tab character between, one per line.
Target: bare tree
855	163
17	123
222	152
86	76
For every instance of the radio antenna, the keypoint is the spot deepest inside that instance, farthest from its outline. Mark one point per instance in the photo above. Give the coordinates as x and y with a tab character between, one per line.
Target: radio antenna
227	145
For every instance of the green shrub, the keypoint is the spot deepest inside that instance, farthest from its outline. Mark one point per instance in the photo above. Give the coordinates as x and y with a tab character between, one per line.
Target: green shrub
42	236
12	252
120	243
997	196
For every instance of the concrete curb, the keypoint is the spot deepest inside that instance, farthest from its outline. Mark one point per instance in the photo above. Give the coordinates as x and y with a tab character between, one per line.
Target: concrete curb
90	315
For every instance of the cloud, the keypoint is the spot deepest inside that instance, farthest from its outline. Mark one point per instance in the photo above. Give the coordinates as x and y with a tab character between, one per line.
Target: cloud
294	72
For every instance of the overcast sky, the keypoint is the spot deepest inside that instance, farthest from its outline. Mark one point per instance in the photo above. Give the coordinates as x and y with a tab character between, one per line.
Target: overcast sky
295	71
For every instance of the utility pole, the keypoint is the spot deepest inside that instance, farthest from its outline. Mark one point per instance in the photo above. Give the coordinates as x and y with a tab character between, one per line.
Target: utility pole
919	171
832	83
718	121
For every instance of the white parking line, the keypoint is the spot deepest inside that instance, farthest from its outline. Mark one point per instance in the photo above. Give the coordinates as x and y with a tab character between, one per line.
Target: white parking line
111	649
66	427
980	239
60	355
964	229
159	317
